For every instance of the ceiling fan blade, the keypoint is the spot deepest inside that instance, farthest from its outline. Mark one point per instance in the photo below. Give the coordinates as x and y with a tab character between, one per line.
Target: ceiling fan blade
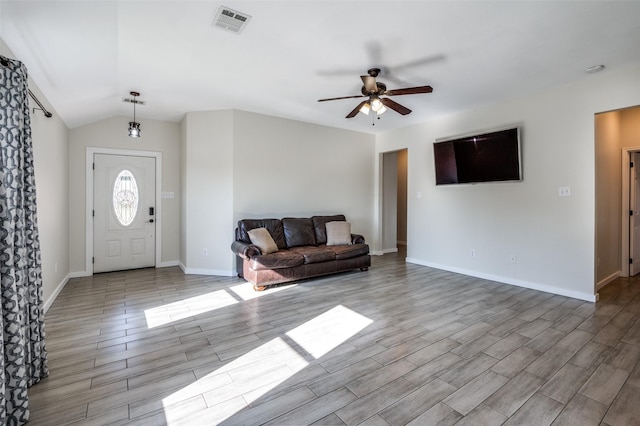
391	104
369	83
356	110
420	61
409	91
343	97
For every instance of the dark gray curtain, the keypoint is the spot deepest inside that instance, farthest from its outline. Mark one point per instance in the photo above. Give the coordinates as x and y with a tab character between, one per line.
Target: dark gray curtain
22	350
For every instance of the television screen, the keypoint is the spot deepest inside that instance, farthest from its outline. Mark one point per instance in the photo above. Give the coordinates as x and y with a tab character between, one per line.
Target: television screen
488	157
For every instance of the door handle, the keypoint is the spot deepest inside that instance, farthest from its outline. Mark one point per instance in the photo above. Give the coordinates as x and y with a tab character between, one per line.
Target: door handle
150	221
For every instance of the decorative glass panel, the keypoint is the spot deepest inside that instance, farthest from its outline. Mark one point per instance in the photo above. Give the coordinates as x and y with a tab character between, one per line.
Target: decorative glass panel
125	197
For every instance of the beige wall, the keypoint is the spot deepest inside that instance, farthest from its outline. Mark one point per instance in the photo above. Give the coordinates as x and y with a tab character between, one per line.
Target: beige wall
157	136
630	127
608	196
243	165
552	237
290	168
389	202
403	158
208	192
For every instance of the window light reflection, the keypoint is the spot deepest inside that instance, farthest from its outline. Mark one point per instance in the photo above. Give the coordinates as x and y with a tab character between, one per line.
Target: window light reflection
233	387
188	307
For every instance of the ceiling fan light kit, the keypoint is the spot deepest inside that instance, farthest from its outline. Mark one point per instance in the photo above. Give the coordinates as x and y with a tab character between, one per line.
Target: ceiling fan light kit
373	90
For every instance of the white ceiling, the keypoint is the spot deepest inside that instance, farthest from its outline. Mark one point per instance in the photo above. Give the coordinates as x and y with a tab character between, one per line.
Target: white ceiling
87	55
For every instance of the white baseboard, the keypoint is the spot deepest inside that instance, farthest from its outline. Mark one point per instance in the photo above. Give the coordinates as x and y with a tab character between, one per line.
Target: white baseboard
390	250
376	252
197	271
169	264
607	280
520	283
56	292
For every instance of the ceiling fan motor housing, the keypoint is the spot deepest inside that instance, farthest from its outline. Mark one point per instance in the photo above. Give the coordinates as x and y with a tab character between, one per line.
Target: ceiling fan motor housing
381	89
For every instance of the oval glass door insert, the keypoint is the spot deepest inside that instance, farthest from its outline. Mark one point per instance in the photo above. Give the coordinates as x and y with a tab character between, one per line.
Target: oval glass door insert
125	197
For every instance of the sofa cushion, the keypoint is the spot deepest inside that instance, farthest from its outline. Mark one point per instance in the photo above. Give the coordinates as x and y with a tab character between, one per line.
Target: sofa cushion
278	260
349	251
298	232
261	238
314	254
338	233
274	226
319	226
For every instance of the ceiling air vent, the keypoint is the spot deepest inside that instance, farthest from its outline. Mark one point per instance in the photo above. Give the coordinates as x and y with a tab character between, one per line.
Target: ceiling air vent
134	101
231	20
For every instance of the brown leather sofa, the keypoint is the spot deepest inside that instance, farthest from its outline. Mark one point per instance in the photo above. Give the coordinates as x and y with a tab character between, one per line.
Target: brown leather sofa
302	251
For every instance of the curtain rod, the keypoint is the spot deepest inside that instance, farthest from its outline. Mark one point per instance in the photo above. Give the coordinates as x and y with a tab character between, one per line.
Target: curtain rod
46	113
42	108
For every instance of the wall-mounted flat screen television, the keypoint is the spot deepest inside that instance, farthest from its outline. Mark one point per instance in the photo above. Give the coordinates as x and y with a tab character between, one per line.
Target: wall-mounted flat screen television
486	157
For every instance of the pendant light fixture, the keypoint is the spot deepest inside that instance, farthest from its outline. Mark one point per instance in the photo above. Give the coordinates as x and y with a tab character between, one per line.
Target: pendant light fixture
134	127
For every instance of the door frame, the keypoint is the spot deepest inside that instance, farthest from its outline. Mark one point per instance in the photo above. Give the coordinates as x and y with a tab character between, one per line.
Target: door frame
91	151
626	176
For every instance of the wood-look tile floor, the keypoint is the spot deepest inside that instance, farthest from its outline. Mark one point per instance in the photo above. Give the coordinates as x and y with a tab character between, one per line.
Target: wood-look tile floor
399	344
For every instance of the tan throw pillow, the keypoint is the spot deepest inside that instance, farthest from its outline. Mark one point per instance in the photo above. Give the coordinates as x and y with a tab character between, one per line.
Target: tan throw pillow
261	238
338	233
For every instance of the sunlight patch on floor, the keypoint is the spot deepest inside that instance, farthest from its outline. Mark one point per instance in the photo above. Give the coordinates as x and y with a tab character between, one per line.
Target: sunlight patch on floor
251	376
263	369
189	307
325	332
246	291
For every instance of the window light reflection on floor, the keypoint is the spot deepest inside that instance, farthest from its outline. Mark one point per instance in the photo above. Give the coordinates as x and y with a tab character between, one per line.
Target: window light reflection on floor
188	307
234	386
175	311
325	332
246	291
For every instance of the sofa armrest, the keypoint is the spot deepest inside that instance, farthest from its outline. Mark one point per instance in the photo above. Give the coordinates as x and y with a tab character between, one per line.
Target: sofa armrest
245	250
357	239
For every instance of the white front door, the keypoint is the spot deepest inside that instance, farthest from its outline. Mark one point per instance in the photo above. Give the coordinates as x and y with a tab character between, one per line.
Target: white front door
634	217
124	224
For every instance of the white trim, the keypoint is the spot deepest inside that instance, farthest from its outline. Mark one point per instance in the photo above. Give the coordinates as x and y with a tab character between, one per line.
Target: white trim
47	304
607	280
217	272
168	264
79	274
91	151
624	261
390	250
520	283
376	252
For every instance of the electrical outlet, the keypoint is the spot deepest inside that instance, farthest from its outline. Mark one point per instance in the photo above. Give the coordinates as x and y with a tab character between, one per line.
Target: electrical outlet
472	253
513	258
564	191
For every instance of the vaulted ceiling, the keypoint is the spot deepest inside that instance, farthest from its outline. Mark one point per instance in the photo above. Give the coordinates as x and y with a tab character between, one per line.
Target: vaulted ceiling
88	55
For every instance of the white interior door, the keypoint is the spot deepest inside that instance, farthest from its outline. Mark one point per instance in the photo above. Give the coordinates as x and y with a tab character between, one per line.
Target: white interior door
634	217
124	225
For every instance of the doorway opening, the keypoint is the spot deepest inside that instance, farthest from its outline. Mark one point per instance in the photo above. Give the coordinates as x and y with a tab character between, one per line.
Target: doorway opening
394	201
617	139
